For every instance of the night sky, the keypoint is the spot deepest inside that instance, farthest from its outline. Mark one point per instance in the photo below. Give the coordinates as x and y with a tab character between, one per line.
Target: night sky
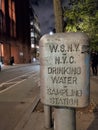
44	10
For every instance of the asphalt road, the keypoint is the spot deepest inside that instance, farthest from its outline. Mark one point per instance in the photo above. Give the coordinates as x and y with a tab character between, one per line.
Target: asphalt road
21	90
12	72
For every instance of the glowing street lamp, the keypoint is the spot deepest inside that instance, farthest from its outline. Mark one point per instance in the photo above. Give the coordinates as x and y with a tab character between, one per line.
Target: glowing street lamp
51	33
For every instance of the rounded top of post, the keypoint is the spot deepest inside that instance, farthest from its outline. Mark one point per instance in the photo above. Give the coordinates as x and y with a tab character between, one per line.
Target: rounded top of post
81	37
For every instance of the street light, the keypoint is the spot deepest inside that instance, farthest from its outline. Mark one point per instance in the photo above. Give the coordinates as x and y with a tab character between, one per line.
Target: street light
51	33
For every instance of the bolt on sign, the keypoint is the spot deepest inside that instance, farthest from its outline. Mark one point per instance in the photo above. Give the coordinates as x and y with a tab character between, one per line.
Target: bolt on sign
65	73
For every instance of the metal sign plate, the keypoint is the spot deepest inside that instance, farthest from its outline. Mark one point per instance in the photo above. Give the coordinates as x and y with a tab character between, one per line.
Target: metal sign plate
64	60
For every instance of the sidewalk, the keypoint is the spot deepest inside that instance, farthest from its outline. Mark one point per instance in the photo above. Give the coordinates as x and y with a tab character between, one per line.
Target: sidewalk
4	67
86	118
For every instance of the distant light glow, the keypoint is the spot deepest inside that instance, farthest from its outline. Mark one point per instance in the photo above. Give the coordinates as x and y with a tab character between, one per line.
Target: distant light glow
34	59
51	33
32	34
31	23
32	45
37	47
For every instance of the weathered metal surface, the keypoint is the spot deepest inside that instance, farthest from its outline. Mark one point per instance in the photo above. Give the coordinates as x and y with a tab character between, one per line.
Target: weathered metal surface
64	60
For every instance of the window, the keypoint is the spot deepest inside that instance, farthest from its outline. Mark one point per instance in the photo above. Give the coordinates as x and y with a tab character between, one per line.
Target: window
1	15
0	4
12	18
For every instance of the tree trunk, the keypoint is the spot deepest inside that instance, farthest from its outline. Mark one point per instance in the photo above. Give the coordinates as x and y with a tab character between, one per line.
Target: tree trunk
58	15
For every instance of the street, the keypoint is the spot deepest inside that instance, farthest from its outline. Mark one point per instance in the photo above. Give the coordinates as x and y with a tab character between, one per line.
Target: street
15	71
20	91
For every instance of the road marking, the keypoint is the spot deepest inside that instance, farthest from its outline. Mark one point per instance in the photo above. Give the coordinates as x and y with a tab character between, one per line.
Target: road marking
19	76
14	83
11	86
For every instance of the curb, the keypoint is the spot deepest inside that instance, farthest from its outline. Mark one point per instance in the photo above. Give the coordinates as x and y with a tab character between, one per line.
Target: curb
27	115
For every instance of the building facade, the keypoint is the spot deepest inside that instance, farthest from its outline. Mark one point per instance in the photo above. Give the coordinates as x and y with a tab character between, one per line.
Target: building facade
15	31
35	34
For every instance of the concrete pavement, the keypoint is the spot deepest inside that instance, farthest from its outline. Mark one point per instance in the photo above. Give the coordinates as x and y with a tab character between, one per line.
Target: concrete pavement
86	118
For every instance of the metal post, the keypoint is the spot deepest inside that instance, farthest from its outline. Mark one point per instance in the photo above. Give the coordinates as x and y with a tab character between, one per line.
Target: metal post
48	116
64	119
